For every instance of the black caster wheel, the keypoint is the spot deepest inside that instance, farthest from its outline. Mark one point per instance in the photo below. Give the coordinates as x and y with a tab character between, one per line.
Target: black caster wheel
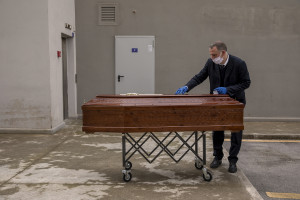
198	165
208	177
128	165
127	177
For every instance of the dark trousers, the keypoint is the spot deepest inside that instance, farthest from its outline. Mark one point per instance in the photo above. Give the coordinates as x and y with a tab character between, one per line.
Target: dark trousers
236	142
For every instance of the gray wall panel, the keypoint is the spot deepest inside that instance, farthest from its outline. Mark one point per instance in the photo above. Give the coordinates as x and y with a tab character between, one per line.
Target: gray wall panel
266	34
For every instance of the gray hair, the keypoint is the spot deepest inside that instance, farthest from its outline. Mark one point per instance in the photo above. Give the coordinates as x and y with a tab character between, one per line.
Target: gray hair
219	45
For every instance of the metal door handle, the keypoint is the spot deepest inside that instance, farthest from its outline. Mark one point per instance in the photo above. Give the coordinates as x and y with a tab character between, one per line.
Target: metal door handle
119	77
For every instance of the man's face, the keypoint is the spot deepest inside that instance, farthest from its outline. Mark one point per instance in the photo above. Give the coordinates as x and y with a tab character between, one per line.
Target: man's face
214	53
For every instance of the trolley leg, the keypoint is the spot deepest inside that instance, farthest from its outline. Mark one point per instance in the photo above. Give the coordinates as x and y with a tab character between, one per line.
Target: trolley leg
196	142
127	165
123	149
204	148
198	162
207	176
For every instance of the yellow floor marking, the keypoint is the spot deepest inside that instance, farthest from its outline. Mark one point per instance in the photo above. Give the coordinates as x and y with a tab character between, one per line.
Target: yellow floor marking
283	195
253	140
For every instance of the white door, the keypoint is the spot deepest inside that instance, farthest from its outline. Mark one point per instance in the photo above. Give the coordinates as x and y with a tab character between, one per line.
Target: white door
135	64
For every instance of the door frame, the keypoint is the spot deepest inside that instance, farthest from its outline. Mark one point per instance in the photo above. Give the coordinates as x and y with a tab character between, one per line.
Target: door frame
64	56
70	76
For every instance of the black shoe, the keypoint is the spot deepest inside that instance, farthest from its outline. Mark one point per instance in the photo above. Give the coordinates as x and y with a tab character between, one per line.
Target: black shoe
215	163
232	168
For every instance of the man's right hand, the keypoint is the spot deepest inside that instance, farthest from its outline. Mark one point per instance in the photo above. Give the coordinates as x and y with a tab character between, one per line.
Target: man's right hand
182	90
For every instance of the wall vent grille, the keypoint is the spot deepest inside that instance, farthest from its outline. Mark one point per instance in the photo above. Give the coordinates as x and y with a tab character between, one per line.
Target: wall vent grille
108	14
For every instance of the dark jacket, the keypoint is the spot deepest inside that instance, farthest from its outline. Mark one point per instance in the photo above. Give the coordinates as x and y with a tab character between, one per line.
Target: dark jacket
236	78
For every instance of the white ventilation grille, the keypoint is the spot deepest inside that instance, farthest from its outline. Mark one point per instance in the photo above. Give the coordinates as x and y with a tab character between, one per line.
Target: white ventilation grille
108	14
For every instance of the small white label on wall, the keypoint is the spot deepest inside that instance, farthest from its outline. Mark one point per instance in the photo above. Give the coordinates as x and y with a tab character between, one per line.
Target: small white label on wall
150	48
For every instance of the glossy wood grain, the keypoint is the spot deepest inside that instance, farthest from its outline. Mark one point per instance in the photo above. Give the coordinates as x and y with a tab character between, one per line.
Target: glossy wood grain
116	113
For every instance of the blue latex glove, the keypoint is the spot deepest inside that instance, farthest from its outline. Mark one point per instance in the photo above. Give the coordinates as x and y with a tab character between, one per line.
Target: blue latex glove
182	90
221	90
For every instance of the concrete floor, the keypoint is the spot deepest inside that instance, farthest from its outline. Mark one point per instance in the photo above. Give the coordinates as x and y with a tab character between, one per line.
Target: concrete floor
73	165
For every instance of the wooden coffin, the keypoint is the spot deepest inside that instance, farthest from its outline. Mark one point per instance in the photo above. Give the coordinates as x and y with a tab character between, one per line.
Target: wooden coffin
145	113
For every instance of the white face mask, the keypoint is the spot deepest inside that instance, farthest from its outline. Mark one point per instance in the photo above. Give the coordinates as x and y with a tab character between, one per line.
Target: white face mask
218	60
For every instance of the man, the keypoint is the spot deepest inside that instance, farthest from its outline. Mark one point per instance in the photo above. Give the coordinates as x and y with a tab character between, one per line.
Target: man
227	74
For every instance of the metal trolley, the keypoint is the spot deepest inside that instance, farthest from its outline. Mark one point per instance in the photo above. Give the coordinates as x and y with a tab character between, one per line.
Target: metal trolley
150	115
162	145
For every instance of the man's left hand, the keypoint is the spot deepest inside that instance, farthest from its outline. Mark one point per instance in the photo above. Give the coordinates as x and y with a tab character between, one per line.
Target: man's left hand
221	90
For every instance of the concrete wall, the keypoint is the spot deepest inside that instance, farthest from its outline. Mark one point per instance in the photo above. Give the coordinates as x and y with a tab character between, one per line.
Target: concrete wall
266	34
24	65
61	12
30	72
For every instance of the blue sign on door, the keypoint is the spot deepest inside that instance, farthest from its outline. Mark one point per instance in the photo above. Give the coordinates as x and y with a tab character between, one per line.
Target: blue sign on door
134	50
